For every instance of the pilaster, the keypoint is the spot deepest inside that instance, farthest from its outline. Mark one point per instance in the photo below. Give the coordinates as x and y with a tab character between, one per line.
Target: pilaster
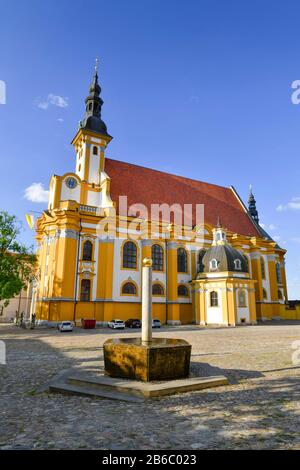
105	276
173	314
273	280
256	274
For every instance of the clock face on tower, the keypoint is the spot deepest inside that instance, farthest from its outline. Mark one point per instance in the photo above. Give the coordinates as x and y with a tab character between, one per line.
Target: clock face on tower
71	182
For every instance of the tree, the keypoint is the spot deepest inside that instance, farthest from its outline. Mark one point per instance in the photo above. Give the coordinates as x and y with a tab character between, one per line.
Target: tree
17	262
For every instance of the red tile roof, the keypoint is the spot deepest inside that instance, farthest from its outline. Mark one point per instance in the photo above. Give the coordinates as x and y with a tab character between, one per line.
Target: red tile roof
147	186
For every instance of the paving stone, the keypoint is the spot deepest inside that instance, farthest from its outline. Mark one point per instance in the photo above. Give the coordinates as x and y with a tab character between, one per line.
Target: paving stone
259	409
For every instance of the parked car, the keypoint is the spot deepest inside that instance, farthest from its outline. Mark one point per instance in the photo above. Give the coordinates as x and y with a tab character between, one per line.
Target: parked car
65	326
156	323
116	324
133	323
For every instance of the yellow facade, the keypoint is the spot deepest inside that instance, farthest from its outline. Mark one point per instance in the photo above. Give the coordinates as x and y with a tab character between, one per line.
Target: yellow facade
60	236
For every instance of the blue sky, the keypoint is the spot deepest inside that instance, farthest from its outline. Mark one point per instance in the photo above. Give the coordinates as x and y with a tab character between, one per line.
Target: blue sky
197	88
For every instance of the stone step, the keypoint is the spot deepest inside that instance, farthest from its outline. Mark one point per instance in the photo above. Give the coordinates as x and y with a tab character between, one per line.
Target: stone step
86	389
146	389
107	383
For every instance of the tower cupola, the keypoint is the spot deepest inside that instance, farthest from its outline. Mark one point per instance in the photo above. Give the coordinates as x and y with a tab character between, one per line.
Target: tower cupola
93	105
221	256
219	234
91	140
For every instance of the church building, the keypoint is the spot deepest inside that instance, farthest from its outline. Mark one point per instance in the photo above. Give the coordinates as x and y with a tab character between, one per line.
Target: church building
226	270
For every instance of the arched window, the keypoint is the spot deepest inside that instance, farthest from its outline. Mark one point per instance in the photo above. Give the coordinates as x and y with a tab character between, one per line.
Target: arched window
242	301
280	296
278	273
85	292
87	251
181	260
157	258
129	255
200	265
213	265
157	289
95	150
263	268
237	264
265	295
129	288
214	299
182	291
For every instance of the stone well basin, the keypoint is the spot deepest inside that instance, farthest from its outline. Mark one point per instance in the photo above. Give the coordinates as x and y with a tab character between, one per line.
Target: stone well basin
161	359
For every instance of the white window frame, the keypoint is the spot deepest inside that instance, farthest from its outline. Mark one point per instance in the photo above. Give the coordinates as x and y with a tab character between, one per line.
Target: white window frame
238	264
213	265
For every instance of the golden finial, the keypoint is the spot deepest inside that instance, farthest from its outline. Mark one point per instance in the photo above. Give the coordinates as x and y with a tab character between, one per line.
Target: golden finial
147	262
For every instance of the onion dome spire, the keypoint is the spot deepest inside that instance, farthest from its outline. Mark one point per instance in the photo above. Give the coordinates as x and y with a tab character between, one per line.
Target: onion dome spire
92	120
95	87
252	206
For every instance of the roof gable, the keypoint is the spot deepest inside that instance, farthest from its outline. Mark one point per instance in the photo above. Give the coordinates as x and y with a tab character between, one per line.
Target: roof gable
146	186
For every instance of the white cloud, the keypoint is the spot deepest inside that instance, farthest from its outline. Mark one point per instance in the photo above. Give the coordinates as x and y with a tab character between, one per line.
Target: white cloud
43	105
57	100
54	100
294	204
60	120
36	193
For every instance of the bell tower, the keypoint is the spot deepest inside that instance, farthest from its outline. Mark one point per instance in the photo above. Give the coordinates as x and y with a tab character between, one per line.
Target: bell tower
92	137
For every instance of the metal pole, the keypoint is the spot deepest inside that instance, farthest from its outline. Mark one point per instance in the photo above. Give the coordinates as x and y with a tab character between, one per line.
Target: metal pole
27	300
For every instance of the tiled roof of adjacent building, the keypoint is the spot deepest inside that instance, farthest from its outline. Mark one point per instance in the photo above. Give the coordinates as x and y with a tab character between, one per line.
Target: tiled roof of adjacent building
146	186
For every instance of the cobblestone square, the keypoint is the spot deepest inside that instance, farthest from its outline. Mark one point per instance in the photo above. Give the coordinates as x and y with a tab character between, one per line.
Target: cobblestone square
260	409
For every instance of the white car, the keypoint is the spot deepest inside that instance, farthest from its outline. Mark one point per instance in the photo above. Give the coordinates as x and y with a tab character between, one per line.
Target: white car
65	326
116	324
